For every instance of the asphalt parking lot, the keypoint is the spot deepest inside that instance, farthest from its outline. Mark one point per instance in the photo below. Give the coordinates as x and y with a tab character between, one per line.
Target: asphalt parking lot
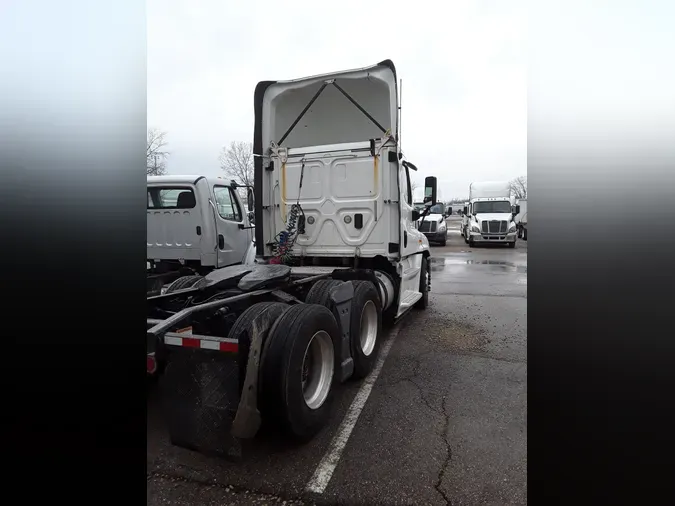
444	423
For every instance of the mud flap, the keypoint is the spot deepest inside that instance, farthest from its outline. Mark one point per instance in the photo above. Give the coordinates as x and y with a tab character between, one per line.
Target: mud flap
342	296
247	420
200	395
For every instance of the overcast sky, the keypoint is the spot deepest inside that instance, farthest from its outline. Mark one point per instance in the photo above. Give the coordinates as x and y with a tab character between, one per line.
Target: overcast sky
463	65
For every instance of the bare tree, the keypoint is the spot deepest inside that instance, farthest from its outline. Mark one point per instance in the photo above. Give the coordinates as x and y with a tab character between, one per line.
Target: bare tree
237	162
519	187
156	154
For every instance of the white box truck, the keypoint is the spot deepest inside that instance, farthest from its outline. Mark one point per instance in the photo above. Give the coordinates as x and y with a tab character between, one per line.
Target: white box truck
490	214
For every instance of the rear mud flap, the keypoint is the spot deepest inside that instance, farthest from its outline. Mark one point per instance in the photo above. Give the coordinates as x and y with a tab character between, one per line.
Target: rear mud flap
200	395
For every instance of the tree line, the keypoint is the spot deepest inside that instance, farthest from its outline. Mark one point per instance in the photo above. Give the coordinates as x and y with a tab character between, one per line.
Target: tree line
236	161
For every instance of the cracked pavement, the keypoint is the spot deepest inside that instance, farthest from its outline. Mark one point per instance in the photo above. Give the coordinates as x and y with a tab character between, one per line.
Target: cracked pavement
446	422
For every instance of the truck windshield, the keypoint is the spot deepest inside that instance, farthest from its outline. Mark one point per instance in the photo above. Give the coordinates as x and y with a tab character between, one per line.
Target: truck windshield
492	207
437	209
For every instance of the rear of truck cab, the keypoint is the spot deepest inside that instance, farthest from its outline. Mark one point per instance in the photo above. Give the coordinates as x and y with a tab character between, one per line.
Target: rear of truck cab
197	222
178	228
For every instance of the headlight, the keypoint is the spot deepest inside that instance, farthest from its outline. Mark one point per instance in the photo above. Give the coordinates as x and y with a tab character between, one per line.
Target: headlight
512	229
441	228
475	229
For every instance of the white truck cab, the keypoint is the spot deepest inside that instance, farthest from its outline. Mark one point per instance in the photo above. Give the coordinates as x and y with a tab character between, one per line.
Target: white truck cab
196	222
434	226
490	215
332	186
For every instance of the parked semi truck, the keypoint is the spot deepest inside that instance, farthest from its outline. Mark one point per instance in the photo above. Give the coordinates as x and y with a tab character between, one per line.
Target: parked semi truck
337	253
433	226
195	224
490	214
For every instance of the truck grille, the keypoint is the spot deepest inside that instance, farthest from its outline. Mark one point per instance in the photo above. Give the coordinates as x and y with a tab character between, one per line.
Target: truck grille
494	227
428	226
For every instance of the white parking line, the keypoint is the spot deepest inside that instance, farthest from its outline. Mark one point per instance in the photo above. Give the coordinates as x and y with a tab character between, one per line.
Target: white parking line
324	471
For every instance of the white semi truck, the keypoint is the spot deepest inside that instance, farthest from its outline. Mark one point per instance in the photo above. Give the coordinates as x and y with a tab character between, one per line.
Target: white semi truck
433	226
490	215
195	224
337	253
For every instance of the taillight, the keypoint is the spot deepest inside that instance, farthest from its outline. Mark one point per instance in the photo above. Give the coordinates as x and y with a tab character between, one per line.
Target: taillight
151	364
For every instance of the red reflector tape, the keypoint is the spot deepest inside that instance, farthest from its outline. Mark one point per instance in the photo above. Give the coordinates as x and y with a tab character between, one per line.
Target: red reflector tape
229	347
191	342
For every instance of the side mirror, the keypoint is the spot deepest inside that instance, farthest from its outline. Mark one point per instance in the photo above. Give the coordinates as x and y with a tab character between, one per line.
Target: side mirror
465	210
430	189
517	209
415	215
249	199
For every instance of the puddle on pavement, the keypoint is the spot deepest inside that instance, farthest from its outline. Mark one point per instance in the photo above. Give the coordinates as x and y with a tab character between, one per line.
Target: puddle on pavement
439	264
451	333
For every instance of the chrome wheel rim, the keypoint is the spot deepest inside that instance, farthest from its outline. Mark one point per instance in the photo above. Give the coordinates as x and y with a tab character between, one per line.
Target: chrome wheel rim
368	328
317	369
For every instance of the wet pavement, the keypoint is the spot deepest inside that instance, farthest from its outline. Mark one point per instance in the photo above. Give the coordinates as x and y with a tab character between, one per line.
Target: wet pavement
445	423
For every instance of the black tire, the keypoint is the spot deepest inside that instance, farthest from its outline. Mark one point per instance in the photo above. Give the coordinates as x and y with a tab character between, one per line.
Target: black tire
466	238
242	330
445	241
512	244
185	282
283	400
524	234
365	295
471	243
423	303
320	292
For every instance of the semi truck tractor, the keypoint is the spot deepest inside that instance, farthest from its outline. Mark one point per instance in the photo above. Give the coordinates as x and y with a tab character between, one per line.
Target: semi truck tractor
490	215
337	254
434	226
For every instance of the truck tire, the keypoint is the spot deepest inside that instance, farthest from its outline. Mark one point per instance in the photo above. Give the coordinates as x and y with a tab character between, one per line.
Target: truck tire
512	244
424	285
466	238
320	292
365	327
185	282
524	234
298	370
471	243
241	331
444	242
